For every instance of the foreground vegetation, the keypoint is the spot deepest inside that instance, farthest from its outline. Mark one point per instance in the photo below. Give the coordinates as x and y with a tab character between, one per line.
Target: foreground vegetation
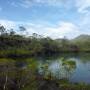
21	77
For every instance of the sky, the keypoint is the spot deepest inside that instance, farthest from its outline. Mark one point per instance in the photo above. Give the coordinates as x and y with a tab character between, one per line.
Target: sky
53	18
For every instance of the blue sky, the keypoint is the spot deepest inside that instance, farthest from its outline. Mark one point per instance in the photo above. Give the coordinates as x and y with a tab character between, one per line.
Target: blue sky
54	18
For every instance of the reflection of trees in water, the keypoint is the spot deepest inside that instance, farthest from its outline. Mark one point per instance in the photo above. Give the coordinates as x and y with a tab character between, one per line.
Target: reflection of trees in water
59	69
65	69
68	67
84	57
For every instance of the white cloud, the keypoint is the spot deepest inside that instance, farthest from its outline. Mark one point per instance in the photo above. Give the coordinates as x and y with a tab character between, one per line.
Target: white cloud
83	5
85	23
7	24
53	2
83	9
67	4
60	30
63	29
28	3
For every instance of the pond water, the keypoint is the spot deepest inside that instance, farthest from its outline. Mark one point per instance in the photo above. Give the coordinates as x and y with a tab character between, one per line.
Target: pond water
19	72
77	72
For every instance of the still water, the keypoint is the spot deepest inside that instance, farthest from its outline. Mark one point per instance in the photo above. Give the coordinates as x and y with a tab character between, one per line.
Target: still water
77	72
19	72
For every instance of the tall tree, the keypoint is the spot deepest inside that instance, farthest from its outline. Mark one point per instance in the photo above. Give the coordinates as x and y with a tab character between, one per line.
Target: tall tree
22	29
12	32
2	29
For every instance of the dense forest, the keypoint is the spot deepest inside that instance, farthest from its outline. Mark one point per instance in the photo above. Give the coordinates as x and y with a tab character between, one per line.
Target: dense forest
15	45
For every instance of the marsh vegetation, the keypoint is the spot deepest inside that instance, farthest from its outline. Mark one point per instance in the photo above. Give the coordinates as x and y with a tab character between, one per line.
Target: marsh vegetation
62	72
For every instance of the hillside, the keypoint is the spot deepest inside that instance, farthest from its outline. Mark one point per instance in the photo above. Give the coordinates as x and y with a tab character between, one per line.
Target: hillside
82	38
83	42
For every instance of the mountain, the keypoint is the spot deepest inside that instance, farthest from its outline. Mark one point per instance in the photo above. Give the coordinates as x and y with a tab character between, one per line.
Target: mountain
82	38
83	42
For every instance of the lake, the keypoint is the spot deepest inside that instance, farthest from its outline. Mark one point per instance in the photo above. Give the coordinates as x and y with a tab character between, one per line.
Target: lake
73	67
79	72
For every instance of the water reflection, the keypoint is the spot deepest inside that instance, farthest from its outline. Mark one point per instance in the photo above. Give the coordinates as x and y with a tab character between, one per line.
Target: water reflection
58	69
29	73
78	72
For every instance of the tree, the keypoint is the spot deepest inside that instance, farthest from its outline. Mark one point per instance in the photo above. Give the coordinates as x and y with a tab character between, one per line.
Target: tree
35	35
22	28
12	32
2	29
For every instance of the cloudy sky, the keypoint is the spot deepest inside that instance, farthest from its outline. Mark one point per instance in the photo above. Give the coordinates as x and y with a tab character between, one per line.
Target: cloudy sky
54	18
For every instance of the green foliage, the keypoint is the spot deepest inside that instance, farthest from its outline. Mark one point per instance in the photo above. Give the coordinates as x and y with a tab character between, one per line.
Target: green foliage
69	62
83	42
12	44
66	85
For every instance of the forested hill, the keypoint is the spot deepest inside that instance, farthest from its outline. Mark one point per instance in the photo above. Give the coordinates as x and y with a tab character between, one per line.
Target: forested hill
12	44
83	42
82	38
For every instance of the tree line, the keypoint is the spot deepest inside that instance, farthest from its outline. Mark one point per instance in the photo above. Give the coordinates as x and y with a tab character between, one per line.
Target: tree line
13	44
